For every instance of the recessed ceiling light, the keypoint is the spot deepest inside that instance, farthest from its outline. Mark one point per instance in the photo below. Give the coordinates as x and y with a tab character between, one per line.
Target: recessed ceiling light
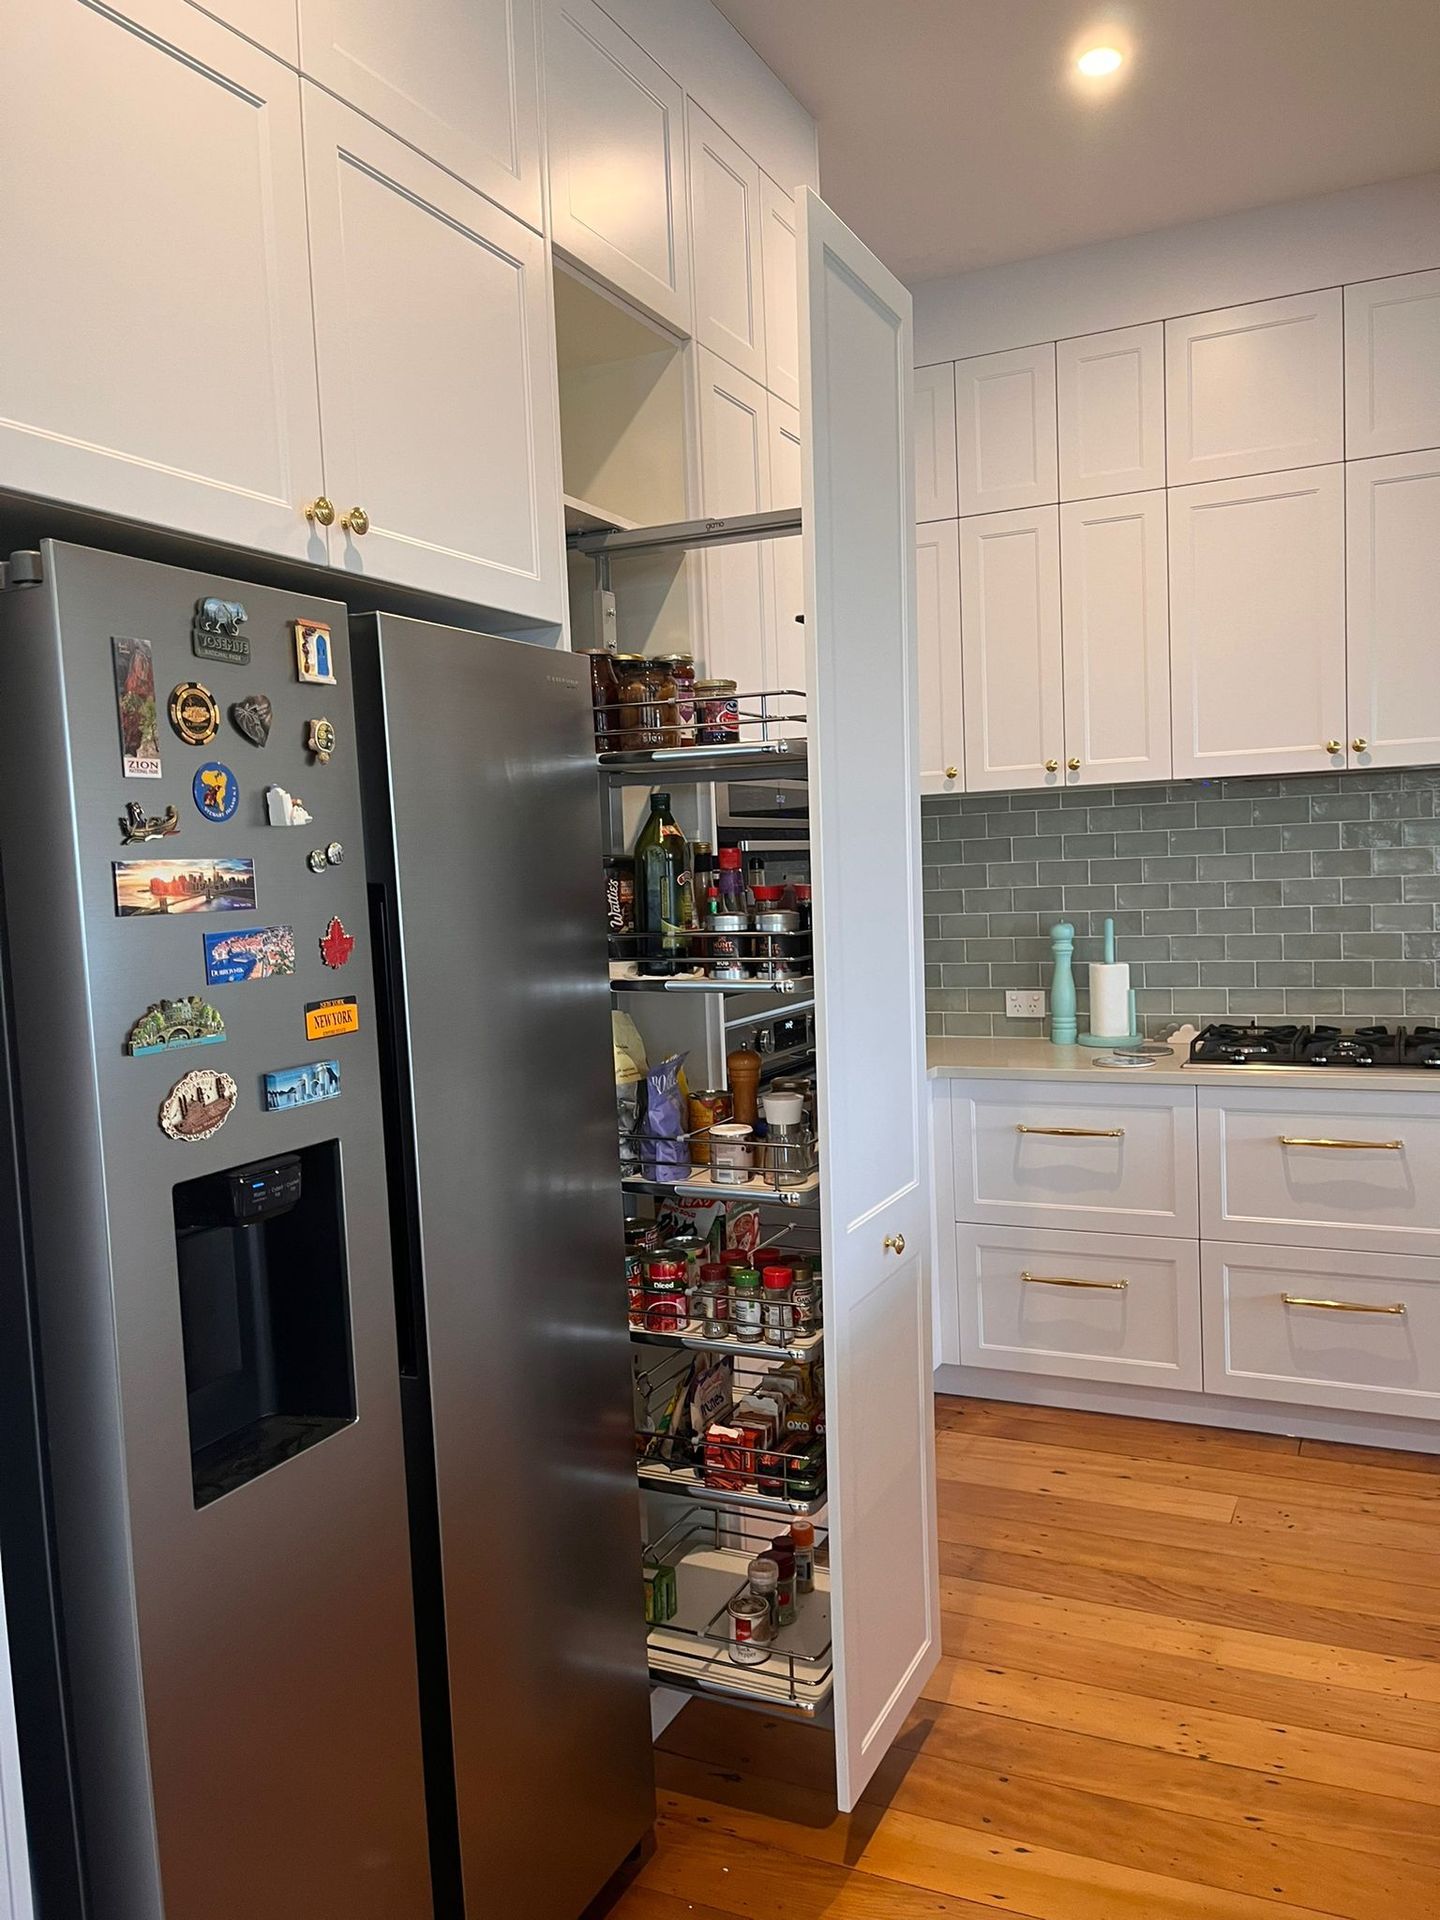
1100	60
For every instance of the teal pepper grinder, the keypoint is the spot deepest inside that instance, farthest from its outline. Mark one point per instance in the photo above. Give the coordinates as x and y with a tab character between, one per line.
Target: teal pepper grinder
1063	1024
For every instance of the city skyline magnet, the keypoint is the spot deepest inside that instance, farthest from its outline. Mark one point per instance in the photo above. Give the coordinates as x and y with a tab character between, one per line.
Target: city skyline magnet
183	886
302	1086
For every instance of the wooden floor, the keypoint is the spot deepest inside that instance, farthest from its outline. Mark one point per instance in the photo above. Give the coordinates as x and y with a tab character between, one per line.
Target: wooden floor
1186	1673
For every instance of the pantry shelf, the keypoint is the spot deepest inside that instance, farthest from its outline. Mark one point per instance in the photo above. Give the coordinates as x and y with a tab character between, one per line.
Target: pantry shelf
656	1476
737	760
691	1650
699	1183
632	983
806	1348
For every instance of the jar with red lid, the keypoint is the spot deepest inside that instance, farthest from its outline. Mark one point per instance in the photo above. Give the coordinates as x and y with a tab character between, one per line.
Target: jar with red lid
776	1312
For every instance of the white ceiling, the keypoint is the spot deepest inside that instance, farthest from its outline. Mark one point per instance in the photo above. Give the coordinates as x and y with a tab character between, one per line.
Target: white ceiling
956	133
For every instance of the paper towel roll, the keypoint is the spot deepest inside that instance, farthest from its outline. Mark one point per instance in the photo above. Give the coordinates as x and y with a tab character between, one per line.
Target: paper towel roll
1110	999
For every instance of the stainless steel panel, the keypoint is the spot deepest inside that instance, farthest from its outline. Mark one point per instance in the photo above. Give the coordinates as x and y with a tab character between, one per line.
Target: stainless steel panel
244	1674
496	880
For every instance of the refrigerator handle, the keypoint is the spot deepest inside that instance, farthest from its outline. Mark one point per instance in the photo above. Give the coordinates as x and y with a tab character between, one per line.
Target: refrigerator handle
398	1117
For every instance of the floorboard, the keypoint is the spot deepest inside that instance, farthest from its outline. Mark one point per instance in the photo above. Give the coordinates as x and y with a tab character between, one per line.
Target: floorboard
1188	1675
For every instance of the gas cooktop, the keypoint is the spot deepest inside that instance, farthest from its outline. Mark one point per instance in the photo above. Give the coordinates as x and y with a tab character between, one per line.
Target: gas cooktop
1296	1046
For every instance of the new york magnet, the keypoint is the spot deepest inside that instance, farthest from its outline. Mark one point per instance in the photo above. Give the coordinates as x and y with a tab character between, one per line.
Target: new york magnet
302	1086
135	703
198	1105
183	886
325	1018
259	953
194	713
216	790
313	660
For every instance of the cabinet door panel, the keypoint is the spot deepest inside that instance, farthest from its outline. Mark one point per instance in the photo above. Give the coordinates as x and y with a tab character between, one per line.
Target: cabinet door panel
1392	365
184	397
1254	389
937	630
437	373
725	224
1115	627
1110	396
1392	584
782	310
856	384
459	83
616	149
1257	624
735	478
272	24
937	494
1005	427
1010	649
786	651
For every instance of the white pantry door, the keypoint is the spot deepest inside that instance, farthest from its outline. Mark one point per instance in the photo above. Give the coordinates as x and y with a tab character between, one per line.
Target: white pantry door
859	543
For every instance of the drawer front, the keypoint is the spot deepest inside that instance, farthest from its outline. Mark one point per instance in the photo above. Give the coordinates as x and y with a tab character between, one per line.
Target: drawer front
1323	1329
1338	1170
1054	1156
1083	1306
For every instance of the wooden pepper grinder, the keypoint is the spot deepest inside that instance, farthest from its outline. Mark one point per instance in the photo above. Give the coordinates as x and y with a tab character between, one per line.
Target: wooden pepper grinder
742	1069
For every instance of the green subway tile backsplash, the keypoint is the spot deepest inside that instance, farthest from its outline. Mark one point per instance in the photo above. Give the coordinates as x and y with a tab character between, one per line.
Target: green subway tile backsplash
1310	898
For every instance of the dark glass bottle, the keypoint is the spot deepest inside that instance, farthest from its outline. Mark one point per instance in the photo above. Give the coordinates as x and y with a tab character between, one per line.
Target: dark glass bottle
664	902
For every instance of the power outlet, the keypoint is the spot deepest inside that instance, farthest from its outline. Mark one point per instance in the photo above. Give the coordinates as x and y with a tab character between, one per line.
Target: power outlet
1026	1005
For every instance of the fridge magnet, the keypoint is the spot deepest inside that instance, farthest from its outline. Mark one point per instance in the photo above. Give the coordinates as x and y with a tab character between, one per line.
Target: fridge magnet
284	809
302	1086
254	716
189	1022
198	1105
135	701
216	790
315	860
194	713
312	653
336	946
184	886
334	854
325	1018
215	632
319	739
136	824
257	954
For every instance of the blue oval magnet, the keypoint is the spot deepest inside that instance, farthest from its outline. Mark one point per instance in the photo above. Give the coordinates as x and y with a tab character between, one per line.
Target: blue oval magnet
216	790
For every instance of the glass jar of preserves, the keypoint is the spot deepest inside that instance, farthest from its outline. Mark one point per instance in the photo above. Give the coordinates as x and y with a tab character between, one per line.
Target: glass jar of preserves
717	712
682	672
659	720
632	692
605	699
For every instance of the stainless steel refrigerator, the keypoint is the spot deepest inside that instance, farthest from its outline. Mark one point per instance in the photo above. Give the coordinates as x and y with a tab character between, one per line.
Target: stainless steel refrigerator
315	1260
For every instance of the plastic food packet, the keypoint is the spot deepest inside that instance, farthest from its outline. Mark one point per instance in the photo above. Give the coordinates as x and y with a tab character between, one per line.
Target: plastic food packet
742	1228
664	1150
630	1069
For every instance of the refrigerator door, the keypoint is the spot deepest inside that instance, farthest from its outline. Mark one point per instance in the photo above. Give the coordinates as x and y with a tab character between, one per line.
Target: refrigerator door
233	1556
483	830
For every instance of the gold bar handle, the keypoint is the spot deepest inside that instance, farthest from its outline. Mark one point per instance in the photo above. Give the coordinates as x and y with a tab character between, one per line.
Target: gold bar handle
1062	1280
1078	1133
1340	1306
1344	1146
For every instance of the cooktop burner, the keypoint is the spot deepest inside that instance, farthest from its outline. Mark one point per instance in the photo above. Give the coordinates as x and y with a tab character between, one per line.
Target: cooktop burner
1295	1046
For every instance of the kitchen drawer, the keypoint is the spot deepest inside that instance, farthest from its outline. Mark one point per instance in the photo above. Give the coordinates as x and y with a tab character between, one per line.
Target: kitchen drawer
1109	1160
1328	1170
1323	1329
1081	1306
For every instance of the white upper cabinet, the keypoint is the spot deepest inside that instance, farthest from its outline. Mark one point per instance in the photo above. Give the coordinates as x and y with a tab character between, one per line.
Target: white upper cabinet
1115	629
1010	649
456	79
1393	590
936	491
1392	365
1110	396
735	478
725	240
785	659
779	265
615	140
1254	389
437	373
181	394
1005	423
937	630
272	24
1257	624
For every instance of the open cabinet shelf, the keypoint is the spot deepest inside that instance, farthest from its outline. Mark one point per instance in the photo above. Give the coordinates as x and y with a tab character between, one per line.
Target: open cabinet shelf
738	760
699	1184
634	983
808	1347
658	1476
583	516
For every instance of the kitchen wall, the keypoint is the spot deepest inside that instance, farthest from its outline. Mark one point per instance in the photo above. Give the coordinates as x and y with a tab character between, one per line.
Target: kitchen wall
1309	897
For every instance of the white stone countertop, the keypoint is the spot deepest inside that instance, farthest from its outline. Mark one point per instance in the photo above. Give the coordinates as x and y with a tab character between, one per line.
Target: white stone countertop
1036	1059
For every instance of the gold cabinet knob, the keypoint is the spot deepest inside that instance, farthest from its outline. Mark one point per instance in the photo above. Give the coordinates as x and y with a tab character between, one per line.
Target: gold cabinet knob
895	1242
1359	746
952	773
356	521
321	512
1074	765
1052	766
1332	746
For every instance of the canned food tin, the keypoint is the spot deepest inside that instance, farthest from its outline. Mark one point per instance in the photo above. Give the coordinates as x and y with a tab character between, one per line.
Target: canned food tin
751	1629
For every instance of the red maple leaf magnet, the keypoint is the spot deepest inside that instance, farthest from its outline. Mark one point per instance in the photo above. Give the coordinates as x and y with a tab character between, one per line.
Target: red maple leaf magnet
337	945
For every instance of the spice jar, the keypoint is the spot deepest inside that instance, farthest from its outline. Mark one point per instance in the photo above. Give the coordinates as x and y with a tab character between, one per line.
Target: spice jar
731	1154
605	699
764	1577
782	1553
751	1629
681	668
745	1312
775	1309
802	1539
712	1299
717	712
